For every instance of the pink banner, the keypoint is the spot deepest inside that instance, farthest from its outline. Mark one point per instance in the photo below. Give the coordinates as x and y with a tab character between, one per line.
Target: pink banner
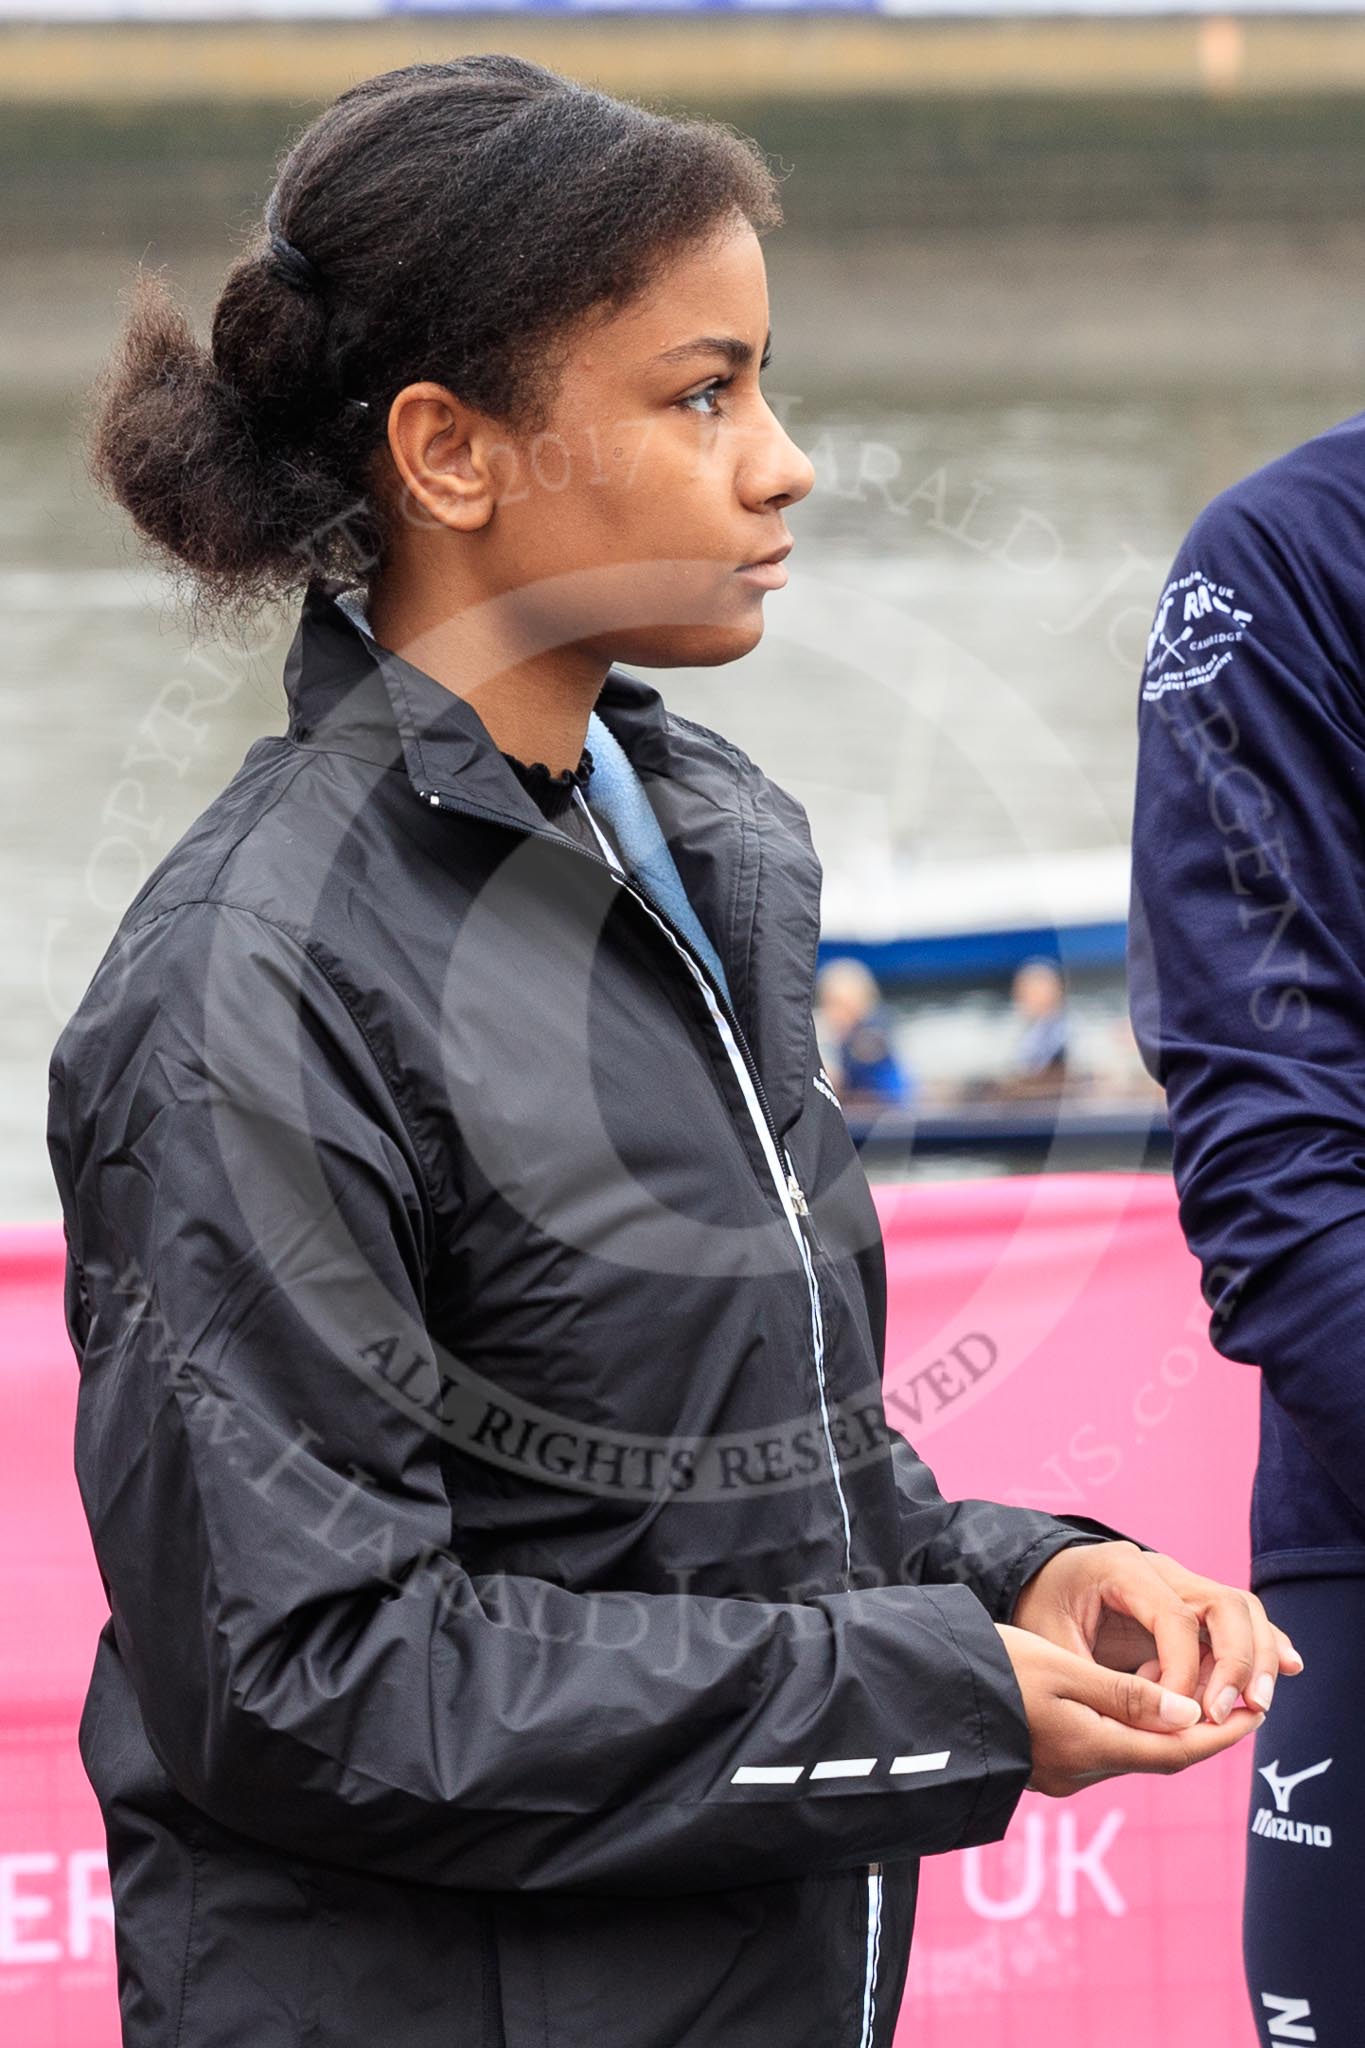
56	1925
1046	1345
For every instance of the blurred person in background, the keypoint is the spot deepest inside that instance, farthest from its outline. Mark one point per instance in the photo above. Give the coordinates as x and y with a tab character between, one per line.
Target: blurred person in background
1039	1057
854	1025
455	1073
1246	965
1038	996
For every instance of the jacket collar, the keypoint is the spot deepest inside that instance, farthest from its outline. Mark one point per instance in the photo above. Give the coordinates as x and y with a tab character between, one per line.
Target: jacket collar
741	845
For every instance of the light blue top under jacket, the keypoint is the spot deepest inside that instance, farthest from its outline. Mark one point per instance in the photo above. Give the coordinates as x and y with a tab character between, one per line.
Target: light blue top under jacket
618	797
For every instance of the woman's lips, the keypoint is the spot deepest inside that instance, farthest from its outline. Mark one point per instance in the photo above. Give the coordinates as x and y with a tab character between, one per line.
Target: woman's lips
768	575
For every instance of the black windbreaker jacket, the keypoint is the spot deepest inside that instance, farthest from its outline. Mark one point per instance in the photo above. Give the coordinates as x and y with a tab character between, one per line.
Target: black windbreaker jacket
524	1627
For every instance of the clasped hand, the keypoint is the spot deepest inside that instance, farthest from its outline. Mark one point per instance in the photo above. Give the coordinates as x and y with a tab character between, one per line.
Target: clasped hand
1127	1661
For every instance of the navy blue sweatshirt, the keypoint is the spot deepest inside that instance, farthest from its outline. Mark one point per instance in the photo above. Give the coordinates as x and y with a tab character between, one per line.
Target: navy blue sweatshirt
1246	964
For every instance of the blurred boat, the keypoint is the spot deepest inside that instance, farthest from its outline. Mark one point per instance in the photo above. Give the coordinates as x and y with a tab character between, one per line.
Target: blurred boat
937	923
944	942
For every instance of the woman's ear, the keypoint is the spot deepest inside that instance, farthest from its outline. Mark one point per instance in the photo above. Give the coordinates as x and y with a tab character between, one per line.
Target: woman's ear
443	453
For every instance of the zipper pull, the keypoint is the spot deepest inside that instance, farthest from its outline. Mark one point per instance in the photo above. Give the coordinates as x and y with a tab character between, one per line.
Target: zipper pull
797	1193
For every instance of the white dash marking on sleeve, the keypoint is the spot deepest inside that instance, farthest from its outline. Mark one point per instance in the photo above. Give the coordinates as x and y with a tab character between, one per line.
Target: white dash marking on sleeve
767	1774
932	1760
844	1767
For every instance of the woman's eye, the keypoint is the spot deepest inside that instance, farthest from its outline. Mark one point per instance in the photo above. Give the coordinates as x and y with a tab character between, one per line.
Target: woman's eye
712	390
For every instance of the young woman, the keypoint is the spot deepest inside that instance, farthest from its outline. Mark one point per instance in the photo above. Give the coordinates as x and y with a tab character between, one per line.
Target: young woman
1247	985
523	1625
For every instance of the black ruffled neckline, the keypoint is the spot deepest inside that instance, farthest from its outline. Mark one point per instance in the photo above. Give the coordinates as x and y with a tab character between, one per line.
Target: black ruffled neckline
551	792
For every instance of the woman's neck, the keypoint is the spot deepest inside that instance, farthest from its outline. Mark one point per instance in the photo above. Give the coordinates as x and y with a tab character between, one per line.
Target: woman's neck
535	702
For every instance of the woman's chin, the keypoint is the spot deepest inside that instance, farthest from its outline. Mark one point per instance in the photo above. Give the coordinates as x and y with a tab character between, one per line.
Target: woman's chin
697	646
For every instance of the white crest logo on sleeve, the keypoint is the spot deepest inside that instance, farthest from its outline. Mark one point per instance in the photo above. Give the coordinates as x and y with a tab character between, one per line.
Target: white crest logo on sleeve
1198	624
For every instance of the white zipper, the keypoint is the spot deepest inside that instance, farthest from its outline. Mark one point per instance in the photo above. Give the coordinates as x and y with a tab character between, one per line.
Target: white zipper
794	1205
874	1941
789	1189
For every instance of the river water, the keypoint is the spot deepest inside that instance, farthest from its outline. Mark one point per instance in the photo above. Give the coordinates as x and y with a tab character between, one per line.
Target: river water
949	676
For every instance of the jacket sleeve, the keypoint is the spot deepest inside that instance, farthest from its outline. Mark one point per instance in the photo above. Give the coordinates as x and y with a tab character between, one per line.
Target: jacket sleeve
249	1221
1246	949
988	1545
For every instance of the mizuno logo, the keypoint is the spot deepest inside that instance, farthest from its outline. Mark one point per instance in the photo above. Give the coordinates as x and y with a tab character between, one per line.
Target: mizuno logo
1278	1827
1283	1788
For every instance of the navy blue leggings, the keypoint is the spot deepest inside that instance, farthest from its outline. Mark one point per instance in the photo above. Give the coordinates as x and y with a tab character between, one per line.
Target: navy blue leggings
1304	1921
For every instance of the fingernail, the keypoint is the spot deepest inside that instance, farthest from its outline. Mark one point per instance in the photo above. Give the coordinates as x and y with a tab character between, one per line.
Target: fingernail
1263	1690
1295	1658
1225	1702
1176	1709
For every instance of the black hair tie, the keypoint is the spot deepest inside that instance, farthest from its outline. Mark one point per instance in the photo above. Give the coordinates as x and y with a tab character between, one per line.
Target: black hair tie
293	266
298	271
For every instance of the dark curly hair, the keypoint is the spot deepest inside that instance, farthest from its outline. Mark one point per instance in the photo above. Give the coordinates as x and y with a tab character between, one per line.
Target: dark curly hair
449	221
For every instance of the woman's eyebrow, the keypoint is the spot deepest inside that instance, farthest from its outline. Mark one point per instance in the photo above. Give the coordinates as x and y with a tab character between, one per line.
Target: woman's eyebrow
734	350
